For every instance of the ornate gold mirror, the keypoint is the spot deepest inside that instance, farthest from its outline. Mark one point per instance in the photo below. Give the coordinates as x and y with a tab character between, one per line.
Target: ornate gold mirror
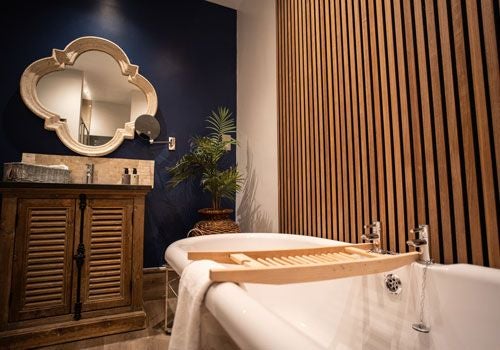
89	94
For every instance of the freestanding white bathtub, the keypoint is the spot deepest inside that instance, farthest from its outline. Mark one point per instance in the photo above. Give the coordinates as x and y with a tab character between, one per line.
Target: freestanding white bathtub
461	305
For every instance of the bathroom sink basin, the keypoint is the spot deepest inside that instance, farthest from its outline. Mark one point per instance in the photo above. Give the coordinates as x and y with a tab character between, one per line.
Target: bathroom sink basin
25	172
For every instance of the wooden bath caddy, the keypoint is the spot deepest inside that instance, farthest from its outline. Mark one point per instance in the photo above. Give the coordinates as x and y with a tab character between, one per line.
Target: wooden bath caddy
303	264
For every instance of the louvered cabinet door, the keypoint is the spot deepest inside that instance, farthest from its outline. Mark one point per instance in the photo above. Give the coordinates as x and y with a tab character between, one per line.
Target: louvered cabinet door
41	282
108	262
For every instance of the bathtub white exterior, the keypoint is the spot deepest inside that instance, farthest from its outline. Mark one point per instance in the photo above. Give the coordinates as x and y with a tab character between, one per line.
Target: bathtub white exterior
461	305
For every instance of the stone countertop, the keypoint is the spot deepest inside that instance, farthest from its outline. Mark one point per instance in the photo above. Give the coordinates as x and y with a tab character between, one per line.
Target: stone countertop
72	186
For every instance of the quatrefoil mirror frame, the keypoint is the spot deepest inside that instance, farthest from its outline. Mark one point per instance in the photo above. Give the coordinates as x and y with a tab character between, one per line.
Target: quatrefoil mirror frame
59	60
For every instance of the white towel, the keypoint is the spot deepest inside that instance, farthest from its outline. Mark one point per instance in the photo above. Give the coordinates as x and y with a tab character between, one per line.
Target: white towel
194	283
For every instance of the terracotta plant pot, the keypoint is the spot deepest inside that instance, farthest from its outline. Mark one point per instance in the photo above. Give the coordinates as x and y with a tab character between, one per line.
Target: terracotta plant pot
215	221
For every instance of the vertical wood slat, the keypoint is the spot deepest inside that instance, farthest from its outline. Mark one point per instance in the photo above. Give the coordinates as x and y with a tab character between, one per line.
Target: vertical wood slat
399	224
418	194
492	66
356	121
370	140
474	239
450	102
293	160
390	110
323	128
339	111
314	120
326	214
355	179
427	128
300	119
408	216
332	102
308	138
439	128
377	108
385	134
363	188
490	195
347	151
280	82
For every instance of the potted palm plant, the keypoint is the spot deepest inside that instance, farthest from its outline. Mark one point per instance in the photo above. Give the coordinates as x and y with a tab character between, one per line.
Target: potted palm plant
204	162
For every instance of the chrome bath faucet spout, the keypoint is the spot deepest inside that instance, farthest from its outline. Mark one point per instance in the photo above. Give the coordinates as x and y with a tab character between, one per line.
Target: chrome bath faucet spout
421	242
373	235
89	173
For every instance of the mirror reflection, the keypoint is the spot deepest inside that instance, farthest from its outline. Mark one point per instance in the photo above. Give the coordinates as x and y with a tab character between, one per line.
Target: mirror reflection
93	97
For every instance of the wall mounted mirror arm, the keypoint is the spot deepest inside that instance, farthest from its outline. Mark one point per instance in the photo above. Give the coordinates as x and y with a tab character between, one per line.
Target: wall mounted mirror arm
147	128
170	143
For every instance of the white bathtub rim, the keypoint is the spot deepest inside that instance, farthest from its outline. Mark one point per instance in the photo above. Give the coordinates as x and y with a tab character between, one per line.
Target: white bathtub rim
176	253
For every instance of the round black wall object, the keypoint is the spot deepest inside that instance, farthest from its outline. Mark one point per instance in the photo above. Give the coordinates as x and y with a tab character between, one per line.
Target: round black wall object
147	127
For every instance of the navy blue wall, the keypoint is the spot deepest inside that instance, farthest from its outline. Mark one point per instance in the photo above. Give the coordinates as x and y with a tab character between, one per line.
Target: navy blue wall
185	48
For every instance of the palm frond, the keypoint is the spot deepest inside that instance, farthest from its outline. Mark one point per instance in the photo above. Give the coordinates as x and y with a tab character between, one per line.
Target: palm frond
204	157
221	122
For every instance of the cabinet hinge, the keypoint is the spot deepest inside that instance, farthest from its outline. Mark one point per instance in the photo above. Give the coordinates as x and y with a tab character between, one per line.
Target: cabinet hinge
10	299
130	285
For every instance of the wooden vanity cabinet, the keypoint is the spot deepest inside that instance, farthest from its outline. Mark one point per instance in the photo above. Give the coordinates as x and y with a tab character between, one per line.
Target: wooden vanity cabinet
71	261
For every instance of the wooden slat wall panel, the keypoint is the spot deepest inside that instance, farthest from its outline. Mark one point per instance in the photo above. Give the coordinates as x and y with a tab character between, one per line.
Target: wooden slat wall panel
390	110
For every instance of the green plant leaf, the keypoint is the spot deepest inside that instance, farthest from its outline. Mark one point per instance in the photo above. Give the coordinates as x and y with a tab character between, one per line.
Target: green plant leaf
221	123
203	160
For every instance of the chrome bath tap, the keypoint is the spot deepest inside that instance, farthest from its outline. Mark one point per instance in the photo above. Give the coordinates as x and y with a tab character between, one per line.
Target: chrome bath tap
421	242
373	236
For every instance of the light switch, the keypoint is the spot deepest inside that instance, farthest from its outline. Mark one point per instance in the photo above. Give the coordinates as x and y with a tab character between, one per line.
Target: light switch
171	143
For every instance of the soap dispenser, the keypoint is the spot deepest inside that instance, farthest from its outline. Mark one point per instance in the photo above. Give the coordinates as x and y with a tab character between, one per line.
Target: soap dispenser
134	178
125	177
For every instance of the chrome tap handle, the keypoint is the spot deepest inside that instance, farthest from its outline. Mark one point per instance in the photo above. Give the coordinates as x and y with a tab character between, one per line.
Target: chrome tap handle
421	232
374	232
419	229
421	241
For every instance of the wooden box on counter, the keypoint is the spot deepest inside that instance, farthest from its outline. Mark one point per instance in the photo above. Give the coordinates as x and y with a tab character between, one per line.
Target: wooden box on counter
71	258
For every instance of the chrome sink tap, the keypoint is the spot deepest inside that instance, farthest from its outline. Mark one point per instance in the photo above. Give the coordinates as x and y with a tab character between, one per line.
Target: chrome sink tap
89	173
421	242
373	236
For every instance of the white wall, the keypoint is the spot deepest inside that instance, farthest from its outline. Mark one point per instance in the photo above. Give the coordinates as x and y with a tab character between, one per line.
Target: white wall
61	93
107	117
257	155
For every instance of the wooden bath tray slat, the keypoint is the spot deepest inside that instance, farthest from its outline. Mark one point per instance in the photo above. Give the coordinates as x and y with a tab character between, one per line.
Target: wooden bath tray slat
303	264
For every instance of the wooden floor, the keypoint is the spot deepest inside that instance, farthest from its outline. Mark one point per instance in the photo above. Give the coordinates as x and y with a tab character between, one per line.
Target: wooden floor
151	338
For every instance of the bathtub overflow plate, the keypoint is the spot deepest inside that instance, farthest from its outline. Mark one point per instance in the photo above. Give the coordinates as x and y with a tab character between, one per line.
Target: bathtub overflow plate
393	284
